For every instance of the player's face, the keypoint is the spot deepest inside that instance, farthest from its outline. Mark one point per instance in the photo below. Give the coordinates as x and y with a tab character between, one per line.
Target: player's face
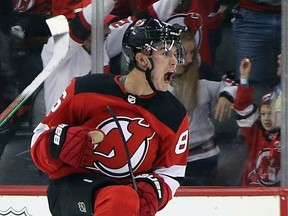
265	117
165	61
190	52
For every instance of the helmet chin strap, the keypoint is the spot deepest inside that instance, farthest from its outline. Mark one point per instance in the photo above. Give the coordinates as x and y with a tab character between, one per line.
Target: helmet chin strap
148	74
148	78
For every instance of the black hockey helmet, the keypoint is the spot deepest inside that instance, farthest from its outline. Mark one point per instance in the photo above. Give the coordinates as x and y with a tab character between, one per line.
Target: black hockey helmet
145	34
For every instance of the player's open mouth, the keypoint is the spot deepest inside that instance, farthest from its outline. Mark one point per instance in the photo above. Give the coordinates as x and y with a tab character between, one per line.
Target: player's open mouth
168	76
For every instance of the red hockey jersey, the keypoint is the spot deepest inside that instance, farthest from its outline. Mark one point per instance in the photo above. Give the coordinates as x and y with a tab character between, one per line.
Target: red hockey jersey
155	128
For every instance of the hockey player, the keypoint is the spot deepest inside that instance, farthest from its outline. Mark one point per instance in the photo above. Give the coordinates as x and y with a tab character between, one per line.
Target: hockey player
80	29
80	144
261	134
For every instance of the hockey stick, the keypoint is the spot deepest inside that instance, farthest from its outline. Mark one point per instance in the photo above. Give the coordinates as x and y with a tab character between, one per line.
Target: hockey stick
125	145
60	31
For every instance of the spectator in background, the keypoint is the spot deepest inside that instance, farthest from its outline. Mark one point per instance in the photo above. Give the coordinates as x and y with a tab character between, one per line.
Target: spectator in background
256	34
199	97
212	14
261	133
193	21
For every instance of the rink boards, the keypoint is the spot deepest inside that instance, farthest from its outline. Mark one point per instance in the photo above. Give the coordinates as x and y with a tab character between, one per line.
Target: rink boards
204	201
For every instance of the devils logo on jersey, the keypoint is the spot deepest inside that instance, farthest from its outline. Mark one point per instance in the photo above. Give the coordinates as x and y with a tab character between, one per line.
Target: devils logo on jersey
267	168
110	157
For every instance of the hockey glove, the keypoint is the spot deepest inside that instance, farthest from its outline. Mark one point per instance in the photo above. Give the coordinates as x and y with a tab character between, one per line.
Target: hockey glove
150	193
74	145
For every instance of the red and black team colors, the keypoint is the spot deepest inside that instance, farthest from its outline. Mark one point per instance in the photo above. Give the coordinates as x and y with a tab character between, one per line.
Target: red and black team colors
80	146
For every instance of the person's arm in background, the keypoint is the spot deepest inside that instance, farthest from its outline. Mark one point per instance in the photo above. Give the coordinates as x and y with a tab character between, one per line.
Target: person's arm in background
239	94
214	19
80	26
223	107
246	112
